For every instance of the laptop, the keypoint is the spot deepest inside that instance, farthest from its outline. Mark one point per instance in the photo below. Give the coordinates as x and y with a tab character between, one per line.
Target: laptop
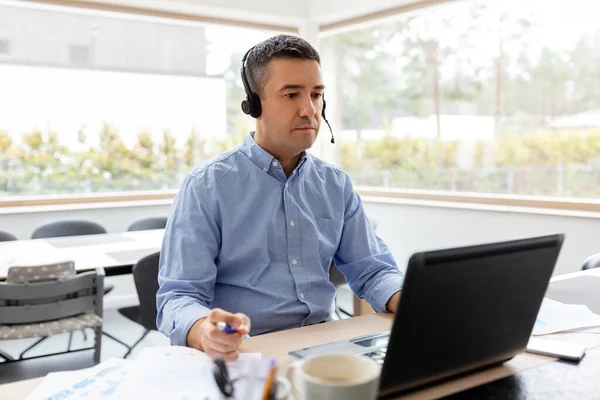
460	309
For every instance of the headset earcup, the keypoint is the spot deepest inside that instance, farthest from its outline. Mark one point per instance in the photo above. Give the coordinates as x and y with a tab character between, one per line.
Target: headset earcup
246	107
251	106
256	106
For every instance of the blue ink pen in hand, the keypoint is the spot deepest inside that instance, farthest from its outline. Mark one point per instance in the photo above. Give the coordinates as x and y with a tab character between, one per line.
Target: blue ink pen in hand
222	326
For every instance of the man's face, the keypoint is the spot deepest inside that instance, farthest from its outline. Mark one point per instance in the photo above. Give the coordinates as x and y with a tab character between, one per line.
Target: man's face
292	100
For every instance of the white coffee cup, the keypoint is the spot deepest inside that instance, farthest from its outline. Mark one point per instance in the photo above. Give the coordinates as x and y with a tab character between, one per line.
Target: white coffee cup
335	377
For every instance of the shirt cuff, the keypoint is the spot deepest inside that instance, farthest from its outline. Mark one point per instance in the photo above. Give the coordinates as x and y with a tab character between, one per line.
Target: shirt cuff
383	291
183	321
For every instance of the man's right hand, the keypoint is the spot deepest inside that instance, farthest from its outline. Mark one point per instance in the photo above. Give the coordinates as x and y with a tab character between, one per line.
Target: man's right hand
204	334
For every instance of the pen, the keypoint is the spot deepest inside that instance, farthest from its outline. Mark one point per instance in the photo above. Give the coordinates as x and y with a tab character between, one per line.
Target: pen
267	393
222	326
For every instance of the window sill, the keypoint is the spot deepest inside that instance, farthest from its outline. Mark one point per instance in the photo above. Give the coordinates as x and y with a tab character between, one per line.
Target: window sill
564	207
33	204
579	208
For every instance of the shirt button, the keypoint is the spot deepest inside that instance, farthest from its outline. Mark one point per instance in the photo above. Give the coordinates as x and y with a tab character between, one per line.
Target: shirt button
292	223
265	169
275	163
302	295
294	261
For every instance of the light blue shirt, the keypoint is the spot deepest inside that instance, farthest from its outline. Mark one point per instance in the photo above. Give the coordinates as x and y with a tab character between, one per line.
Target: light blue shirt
243	238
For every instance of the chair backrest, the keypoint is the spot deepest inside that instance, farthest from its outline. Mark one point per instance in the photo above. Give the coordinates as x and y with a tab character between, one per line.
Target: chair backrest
591	262
148	223
145	276
7	237
67	228
39	273
335	275
22	303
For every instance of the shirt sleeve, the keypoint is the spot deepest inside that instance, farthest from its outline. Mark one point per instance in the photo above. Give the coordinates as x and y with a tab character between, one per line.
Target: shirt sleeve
187	270
363	258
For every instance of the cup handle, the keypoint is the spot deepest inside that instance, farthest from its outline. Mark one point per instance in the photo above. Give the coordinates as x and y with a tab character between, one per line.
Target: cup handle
286	388
290	374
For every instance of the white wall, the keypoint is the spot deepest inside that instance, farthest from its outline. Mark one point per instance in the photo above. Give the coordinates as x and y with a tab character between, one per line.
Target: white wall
410	228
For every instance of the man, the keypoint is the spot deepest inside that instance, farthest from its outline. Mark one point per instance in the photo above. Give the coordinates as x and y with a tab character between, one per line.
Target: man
252	232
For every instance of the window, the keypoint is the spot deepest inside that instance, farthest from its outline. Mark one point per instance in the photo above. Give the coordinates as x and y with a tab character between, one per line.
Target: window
105	102
4	47
495	96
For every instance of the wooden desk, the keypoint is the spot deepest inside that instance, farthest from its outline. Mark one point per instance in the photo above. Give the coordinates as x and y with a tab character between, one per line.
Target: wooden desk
280	343
108	251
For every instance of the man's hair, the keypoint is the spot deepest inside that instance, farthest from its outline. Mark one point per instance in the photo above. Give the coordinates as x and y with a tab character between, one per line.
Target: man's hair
280	46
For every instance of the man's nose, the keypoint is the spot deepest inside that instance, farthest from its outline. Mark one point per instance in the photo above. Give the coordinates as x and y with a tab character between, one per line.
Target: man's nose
308	107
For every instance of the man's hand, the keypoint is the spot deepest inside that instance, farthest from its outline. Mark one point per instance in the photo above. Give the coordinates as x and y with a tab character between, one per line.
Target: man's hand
392	304
204	334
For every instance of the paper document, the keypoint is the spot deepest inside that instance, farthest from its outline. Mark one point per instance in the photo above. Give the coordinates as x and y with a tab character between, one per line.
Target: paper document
586	330
96	383
555	317
180	373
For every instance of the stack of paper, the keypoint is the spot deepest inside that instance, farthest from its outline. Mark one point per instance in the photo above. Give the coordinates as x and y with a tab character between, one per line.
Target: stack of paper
179	373
98	382
556	317
169	372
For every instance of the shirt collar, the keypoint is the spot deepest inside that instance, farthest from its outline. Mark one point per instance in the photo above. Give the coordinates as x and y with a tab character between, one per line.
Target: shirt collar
262	158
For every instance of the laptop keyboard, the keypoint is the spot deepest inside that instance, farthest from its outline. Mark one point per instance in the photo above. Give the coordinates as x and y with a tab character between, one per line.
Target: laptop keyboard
377	355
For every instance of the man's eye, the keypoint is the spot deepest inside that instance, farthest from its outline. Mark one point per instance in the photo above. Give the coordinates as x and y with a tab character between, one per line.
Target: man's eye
291	95
317	95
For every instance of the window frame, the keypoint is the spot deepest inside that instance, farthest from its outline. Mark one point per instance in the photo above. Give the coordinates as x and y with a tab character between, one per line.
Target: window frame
589	208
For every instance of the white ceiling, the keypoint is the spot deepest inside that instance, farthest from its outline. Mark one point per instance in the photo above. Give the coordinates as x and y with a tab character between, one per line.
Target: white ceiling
328	11
280	12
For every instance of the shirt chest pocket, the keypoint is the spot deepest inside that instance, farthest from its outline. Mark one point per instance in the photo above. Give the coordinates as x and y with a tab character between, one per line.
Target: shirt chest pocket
329	234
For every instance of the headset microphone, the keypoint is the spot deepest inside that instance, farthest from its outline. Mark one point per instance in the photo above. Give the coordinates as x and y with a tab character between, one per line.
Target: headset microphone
327	122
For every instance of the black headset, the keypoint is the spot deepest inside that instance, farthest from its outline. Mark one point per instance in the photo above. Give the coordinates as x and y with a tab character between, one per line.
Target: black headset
251	105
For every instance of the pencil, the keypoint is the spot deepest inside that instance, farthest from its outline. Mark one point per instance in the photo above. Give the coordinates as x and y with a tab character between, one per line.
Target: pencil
269	382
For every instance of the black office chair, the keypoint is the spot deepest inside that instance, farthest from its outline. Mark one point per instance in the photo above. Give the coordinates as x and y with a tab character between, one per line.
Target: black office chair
6	237
591	262
71	228
148	223
145	276
337	278
67	228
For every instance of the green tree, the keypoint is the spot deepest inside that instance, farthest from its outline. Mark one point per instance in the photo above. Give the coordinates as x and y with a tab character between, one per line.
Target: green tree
364	72
111	160
585	65
45	162
193	152
8	174
234	93
144	157
169	159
